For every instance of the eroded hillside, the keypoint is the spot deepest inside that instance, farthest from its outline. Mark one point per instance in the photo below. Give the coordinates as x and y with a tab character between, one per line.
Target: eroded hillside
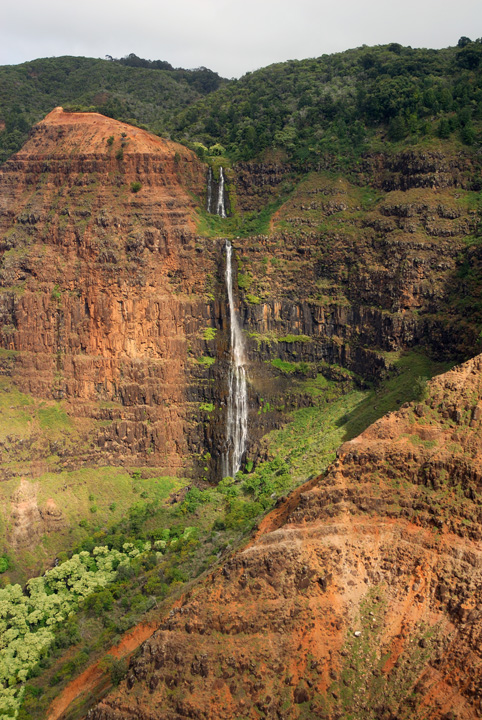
103	309
114	356
113	305
360	598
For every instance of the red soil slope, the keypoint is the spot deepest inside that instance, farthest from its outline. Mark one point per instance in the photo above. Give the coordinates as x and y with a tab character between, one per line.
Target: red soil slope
365	602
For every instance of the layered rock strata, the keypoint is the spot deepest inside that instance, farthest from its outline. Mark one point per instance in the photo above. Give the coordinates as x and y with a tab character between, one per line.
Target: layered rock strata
104	281
108	292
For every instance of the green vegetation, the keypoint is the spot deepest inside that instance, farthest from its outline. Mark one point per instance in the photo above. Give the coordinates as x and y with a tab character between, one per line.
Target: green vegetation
135	187
131	89
253	299
289	368
206	361
246	224
209	333
114	493
308	443
337	104
206	407
294	338
28	620
334	106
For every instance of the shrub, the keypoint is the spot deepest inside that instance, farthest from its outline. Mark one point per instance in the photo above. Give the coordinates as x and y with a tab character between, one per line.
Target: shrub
206	361
99	601
118	670
110	140
206	407
135	186
119	154
217	150
209	333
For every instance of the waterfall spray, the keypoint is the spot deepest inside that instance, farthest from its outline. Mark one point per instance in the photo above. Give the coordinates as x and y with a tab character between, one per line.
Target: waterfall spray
237	415
220	208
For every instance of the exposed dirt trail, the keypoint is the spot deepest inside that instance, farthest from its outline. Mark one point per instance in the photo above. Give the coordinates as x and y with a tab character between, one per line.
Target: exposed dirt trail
91	678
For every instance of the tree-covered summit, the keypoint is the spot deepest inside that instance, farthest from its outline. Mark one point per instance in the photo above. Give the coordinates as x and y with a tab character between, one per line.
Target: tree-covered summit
343	101
128	89
304	109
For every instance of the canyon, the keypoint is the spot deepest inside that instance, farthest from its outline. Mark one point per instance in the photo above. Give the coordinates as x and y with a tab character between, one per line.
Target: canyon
357	595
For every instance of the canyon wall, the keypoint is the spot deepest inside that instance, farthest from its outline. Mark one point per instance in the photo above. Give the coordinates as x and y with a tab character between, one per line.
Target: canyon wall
104	281
114	305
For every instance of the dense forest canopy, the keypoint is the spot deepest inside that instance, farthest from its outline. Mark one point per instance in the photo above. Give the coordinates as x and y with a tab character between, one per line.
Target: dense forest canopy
334	104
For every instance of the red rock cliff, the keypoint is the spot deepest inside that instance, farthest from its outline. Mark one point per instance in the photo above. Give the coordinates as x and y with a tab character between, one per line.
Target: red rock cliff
103	280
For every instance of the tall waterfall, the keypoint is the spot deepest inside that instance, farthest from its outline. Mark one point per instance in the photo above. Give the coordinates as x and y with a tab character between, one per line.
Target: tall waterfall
220	208
237	416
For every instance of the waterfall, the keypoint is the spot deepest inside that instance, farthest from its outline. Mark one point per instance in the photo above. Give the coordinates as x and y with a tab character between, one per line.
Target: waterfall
237	416
210	190
220	209
215	205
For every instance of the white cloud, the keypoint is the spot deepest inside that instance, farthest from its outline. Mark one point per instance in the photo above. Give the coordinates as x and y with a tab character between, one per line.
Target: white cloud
227	36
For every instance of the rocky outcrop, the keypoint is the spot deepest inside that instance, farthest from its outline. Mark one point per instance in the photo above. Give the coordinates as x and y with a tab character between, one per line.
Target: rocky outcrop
258	184
360	596
419	168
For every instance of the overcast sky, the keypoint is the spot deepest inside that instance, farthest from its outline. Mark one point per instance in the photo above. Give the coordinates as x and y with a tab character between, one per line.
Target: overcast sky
231	37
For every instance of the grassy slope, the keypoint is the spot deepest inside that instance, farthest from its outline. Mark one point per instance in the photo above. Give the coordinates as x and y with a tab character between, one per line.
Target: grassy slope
309	442
89	496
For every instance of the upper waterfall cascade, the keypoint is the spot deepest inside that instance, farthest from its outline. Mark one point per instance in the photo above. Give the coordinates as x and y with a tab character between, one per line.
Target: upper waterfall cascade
216	205
237	414
220	207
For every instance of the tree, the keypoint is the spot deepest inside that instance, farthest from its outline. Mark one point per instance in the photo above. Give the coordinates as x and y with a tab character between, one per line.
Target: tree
397	128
